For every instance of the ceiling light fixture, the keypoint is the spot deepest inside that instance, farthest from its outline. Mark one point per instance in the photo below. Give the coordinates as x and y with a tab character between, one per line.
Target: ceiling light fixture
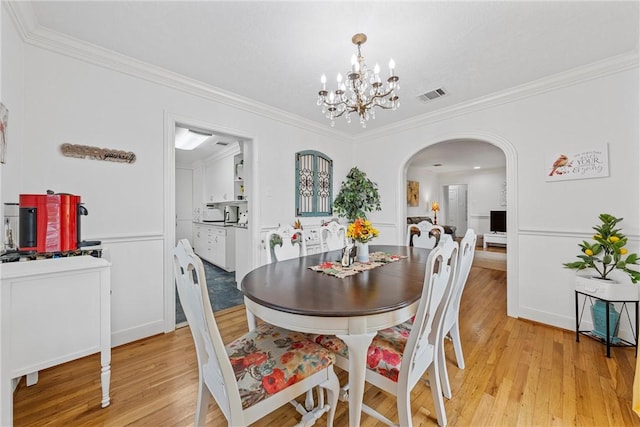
189	139
366	90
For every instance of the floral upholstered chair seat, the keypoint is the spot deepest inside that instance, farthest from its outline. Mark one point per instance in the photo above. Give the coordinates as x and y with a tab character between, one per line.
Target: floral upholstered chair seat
268	359
384	354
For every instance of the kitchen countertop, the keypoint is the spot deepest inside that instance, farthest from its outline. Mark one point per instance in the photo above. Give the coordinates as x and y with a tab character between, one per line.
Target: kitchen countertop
215	224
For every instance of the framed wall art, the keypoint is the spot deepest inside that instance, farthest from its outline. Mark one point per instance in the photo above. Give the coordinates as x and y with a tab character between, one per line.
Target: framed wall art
413	194
591	163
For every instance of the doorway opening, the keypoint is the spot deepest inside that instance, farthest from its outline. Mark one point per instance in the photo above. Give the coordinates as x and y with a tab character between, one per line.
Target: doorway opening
213	172
483	167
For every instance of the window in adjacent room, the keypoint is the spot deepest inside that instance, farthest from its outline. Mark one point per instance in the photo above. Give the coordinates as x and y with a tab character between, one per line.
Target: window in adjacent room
314	184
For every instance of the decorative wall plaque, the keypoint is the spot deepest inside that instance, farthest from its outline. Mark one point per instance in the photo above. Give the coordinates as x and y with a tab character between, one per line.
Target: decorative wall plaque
82	151
593	163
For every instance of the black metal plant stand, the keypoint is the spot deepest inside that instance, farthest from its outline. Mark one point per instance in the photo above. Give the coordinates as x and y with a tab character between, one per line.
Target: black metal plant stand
624	309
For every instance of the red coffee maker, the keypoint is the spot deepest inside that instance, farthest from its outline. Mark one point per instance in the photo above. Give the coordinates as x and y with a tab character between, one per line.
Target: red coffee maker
49	222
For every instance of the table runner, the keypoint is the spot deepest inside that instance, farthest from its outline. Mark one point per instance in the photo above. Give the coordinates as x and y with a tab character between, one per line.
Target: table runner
376	259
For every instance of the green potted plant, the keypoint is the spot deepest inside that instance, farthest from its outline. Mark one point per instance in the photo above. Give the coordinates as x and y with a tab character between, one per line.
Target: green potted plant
607	252
357	196
604	255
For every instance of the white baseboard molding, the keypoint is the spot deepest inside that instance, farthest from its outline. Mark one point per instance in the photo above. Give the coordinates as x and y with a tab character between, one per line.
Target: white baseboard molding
569	322
139	332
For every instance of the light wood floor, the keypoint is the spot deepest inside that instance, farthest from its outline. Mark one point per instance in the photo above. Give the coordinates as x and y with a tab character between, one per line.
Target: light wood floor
518	373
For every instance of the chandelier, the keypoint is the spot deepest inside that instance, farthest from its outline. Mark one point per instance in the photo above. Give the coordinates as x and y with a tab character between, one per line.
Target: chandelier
362	91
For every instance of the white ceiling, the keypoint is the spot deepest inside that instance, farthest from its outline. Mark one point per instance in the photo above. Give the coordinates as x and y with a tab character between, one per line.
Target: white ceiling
459	155
211	146
275	52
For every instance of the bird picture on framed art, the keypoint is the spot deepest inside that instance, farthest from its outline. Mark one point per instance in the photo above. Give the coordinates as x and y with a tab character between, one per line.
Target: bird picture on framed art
591	163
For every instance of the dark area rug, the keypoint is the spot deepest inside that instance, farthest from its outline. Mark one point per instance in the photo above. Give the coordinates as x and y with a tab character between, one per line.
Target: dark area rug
223	292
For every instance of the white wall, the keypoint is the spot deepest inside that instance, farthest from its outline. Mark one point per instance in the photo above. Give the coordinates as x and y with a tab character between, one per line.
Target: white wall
550	219
429	190
184	204
55	98
12	84
484	189
69	100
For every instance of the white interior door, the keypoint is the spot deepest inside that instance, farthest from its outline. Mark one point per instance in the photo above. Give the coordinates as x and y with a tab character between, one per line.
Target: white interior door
184	204
457	208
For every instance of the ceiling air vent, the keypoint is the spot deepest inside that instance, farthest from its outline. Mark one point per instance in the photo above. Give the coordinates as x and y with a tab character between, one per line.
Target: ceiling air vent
432	94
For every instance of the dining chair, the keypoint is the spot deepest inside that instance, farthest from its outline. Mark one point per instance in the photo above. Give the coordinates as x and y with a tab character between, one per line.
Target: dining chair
424	235
400	355
256	373
450	324
282	244
285	243
333	236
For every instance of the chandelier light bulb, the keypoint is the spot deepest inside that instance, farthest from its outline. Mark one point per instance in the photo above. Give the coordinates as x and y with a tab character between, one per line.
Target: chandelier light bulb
323	80
392	66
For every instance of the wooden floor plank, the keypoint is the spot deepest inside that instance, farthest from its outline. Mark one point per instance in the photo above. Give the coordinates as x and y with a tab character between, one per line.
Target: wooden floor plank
517	373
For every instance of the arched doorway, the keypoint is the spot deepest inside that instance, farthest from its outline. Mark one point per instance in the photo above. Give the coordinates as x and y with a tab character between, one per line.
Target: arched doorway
510	196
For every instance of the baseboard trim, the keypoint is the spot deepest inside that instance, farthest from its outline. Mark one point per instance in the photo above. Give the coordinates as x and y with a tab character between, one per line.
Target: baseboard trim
139	332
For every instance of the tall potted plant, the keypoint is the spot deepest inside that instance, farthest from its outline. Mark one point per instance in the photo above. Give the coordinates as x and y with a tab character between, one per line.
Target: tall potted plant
357	196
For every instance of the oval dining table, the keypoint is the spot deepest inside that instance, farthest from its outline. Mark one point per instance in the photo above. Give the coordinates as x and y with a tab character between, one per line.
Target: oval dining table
291	295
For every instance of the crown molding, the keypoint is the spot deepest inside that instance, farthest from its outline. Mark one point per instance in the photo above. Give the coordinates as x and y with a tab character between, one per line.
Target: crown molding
571	77
34	34
24	17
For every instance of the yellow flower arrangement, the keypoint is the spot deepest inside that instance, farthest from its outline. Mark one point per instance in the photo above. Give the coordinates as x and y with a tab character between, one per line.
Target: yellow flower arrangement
361	230
605	254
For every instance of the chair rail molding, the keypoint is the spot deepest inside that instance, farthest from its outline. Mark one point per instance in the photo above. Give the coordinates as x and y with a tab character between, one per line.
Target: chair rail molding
578	234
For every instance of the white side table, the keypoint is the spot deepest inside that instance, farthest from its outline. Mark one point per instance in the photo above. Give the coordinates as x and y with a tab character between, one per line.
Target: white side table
53	311
498	238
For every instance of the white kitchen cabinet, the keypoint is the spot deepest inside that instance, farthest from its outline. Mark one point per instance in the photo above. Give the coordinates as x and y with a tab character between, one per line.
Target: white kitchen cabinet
53	311
220	176
199	239
215	244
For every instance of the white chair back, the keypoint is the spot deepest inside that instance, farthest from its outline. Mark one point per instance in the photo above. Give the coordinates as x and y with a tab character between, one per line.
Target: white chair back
466	254
216	373
452	313
422	349
214	366
424	235
436	292
410	357
333	236
290	244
